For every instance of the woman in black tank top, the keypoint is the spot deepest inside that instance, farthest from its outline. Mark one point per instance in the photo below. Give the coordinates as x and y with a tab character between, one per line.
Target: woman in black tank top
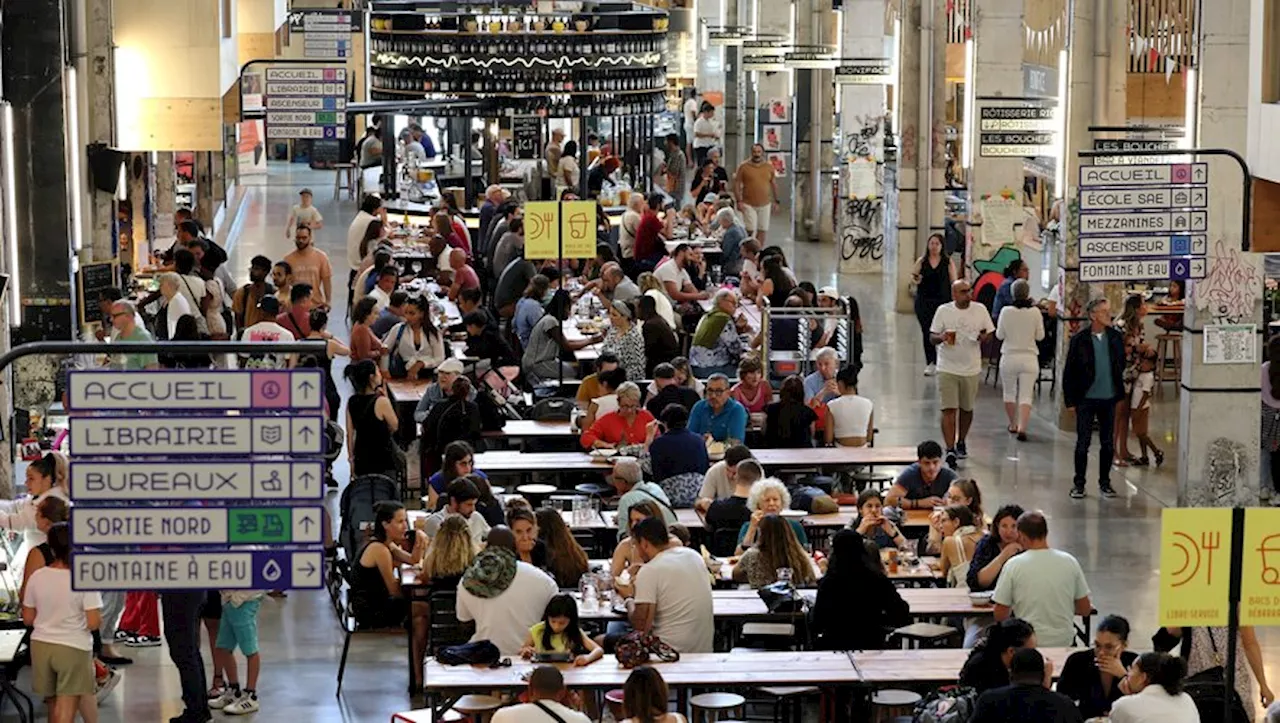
376	597
933	275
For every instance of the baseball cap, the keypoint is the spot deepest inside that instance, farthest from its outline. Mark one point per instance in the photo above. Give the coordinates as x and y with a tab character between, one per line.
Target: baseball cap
710	198
306	191
829	292
450	366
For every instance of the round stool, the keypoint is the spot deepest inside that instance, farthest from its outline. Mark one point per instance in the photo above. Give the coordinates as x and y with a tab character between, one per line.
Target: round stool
594	489
535	493
712	705
890	703
613	699
497	490
479	707
788	697
1168	350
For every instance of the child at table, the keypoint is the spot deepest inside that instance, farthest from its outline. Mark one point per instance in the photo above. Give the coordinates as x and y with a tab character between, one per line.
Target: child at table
1140	406
559	632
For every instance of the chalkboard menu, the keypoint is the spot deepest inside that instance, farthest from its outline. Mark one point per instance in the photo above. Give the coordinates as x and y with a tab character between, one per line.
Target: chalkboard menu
325	153
526	131
92	279
46	322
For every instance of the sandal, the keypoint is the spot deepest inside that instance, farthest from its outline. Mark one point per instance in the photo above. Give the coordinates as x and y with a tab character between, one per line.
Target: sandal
1141	462
1120	462
1012	429
1159	456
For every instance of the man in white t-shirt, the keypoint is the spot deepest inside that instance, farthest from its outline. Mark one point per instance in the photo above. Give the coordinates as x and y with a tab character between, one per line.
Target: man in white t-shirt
706	133
175	305
388	277
546	689
690	109
676	282
673	590
1043	586
267	330
958	329
502	594
303	214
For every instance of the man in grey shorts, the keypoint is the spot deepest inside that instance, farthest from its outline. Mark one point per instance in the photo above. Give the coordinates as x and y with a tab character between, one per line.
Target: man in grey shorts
958	329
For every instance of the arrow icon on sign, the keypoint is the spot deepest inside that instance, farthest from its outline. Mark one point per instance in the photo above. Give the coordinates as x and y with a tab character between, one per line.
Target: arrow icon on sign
306	478
307	387
306	523
306	433
310	569
1200	173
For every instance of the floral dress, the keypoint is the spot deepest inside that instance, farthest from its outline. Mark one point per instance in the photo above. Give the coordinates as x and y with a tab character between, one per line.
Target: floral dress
630	350
1209	650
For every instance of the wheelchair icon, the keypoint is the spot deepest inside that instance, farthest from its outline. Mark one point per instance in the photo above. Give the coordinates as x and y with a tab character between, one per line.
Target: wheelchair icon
1270	552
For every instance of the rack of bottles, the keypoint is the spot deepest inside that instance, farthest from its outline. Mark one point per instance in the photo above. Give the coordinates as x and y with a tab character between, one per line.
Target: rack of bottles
607	62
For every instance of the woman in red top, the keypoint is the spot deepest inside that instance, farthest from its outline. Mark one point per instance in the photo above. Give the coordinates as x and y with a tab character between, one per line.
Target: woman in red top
364	343
751	391
626	426
458	223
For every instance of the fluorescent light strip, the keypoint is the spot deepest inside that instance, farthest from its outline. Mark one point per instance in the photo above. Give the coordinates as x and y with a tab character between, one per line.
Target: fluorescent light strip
1191	103
1060	169
74	149
897	76
11	214
970	92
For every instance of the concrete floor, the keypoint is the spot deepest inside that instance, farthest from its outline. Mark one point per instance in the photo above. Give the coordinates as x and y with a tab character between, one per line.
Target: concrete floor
1116	541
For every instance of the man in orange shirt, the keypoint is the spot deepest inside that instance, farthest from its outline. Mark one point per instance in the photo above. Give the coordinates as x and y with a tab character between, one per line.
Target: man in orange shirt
311	266
755	186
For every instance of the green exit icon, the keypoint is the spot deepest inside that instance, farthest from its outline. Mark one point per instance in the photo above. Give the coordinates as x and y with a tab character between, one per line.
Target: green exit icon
261	525
326	117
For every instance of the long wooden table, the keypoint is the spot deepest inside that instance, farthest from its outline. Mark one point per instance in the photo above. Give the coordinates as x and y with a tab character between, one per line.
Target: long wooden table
746	605
510	462
869	669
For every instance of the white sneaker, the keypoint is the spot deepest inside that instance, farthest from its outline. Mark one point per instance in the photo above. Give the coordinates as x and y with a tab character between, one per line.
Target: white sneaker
247	703
931	370
223	699
113	679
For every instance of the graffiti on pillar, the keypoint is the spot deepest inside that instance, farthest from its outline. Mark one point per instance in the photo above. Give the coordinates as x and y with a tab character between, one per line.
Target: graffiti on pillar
1228	468
861	221
991	274
862	236
1231	288
939	143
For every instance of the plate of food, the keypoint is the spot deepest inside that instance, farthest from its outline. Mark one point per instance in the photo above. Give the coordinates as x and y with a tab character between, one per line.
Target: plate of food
603	453
793	514
715	450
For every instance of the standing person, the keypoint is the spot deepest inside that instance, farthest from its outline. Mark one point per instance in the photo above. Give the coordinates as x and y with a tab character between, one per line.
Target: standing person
651	232
61	644
370	210
932	275
174	305
1130	325
1092	382
371	423
1017	270
311	266
1043	586
267	330
959	328
1271	418
690	110
303	214
673	168
124	318
570	173
180	613
244	305
755	188
238	628
1020	326
706	133
282	279
1205	649
1140	406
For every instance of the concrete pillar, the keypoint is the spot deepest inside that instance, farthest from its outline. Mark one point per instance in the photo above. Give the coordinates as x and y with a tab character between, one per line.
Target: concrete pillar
1218	463
815	126
1080	100
921	155
91	57
860	217
998	73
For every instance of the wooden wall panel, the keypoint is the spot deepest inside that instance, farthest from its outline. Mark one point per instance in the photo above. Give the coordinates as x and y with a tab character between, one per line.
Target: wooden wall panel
180	124
1149	96
1265	236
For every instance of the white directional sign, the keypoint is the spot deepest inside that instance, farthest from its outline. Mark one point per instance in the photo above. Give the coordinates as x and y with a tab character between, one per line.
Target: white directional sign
1141	175
223	570
321	92
106	526
1161	222
1116	246
264	389
1142	269
196	480
196	436
1162	197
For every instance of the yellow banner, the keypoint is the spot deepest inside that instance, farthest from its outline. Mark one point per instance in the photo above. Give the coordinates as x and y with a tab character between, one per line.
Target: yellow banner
1260	568
1195	566
578	228
541	230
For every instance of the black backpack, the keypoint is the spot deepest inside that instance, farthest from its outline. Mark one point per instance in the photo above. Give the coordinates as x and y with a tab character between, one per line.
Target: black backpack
356	509
552	409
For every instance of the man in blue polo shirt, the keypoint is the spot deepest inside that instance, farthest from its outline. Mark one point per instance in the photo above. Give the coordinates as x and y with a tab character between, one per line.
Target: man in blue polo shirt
719	416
